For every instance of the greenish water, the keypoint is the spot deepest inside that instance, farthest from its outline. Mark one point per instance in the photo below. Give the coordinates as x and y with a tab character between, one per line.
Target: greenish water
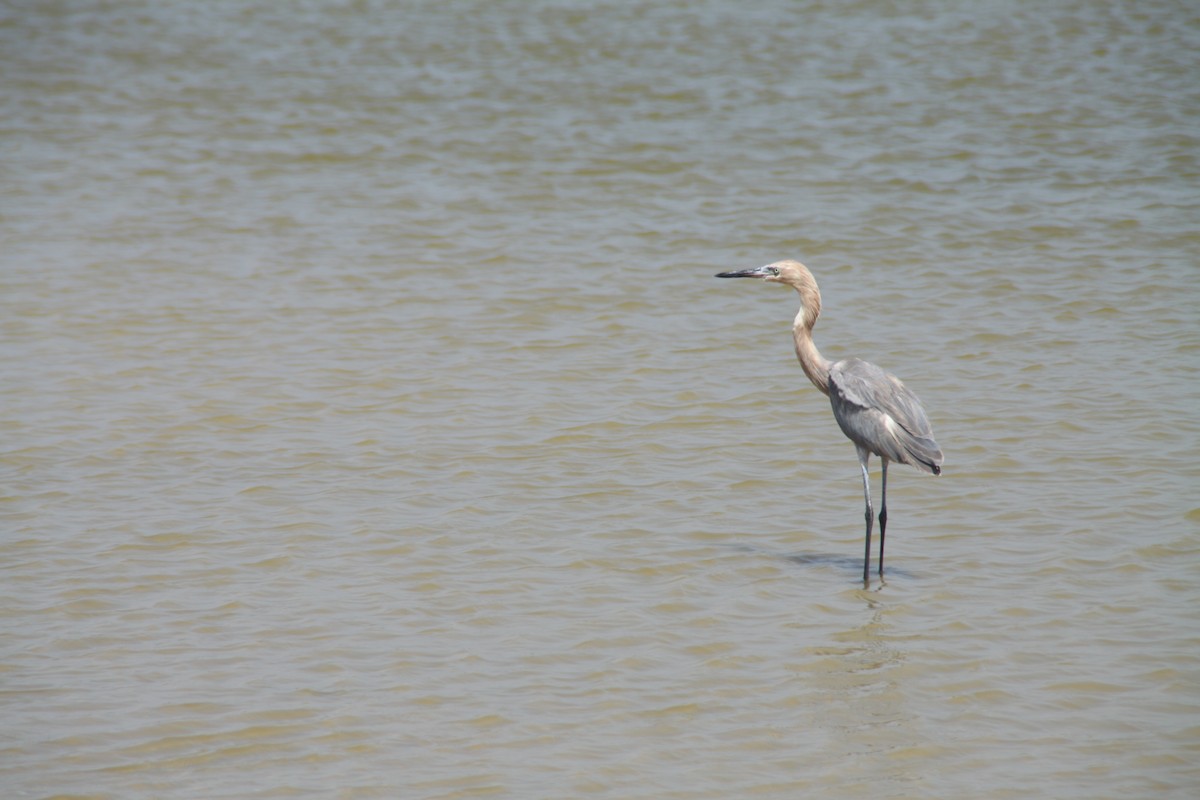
371	424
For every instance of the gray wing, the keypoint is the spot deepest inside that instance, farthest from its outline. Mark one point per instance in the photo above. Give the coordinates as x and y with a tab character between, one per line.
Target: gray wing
875	410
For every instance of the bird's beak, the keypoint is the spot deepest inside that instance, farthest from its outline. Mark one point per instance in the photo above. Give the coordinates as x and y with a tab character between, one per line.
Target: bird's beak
756	272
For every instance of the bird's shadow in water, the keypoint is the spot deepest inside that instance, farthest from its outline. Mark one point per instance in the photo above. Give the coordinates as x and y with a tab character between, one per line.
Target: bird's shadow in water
850	564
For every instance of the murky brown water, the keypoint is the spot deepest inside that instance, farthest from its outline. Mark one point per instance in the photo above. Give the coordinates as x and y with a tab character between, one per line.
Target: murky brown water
372	425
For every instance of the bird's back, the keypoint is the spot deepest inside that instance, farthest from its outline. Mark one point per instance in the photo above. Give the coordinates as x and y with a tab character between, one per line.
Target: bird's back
875	410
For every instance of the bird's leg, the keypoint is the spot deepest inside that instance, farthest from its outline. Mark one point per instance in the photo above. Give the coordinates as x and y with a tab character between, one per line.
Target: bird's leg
882	514
863	456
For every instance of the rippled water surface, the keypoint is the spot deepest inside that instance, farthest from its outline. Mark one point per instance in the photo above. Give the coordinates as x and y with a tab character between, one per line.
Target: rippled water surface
372	425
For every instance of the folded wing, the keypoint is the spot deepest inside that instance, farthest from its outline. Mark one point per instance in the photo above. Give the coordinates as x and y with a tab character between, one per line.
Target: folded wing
875	410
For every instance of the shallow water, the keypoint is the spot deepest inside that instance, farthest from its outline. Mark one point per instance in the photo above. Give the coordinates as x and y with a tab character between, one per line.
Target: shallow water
373	425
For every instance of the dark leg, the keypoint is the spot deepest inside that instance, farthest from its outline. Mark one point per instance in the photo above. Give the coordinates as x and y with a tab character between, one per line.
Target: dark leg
863	455
882	515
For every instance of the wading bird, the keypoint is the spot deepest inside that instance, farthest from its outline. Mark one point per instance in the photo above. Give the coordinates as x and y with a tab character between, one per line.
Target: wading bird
872	407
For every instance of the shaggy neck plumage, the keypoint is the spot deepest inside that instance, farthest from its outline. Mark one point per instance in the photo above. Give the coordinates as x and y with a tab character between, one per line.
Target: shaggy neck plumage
815	366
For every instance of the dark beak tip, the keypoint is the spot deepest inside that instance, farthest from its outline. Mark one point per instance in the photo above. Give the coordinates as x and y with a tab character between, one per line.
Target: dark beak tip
740	273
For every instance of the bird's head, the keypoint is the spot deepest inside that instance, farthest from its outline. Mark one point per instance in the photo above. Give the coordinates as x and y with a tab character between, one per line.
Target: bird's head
788	272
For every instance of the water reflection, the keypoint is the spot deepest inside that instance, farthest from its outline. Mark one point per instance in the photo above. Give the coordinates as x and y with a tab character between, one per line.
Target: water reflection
838	561
858	681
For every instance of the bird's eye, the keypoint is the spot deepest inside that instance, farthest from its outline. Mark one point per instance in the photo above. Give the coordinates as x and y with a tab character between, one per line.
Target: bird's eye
774	272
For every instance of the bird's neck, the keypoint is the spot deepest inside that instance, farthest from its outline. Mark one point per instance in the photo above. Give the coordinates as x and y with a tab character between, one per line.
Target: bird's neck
815	366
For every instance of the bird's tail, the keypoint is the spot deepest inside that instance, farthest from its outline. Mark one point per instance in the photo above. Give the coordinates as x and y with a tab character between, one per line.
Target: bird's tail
924	454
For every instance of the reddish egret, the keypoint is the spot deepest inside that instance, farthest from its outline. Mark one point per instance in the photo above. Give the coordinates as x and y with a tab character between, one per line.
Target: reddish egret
872	407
